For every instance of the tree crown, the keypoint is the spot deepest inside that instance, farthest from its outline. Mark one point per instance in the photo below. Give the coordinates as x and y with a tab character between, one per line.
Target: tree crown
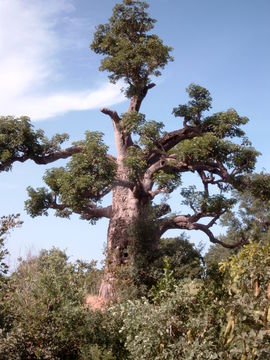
131	53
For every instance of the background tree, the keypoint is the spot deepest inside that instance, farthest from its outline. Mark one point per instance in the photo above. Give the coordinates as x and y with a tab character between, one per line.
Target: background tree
7	223
249	220
148	161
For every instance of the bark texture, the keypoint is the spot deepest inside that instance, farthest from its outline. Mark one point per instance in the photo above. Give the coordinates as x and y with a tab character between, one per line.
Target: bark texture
126	208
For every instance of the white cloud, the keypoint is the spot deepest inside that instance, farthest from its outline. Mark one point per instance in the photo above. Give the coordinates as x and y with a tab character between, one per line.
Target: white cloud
29	45
44	107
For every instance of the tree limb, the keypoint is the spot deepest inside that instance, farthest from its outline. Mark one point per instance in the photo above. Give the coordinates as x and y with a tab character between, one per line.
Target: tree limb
188	222
42	159
113	114
171	163
169	140
54	156
97	212
91	212
47	158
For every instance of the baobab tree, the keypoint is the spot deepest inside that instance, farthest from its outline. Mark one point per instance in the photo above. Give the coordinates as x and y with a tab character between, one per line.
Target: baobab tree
149	161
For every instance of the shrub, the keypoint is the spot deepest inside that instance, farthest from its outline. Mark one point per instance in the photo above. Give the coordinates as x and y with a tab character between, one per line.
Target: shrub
44	309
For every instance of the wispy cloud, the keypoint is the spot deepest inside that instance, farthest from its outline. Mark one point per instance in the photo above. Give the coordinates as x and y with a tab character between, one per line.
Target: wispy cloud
44	107
29	48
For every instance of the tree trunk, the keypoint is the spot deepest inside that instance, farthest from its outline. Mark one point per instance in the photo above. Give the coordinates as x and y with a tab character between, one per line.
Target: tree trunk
128	205
130	234
125	211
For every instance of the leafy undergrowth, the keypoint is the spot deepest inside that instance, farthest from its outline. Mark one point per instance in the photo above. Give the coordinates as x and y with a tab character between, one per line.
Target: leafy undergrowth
47	312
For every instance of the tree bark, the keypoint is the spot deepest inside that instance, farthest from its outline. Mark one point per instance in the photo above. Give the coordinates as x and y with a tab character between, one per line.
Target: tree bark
127	206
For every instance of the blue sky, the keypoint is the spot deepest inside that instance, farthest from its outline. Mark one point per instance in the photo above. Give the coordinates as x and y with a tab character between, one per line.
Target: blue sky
48	72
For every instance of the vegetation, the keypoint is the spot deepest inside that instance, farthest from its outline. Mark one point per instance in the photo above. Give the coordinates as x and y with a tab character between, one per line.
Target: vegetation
164	298
149	161
224	313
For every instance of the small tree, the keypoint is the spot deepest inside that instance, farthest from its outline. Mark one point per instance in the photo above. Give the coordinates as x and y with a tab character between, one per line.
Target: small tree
149	161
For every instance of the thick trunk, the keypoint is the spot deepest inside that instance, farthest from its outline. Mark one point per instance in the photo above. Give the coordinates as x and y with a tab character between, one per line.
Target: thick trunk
125	211
128	205
126	237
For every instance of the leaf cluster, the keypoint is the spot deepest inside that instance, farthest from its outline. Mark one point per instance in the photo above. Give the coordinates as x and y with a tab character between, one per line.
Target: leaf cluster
150	133
87	177
7	223
18	139
131	53
198	201
200	101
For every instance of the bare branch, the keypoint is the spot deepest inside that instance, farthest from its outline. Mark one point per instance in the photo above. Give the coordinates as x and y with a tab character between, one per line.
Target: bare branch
42	159
47	158
170	163
91	212
188	222
214	240
113	114
54	156
97	212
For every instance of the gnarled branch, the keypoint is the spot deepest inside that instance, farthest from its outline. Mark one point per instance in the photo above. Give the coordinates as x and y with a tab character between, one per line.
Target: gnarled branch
170	139
113	114
171	163
54	156
42	159
91	212
190	222
97	212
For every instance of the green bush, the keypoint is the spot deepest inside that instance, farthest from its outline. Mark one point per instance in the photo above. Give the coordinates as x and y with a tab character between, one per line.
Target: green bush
223	316
44	309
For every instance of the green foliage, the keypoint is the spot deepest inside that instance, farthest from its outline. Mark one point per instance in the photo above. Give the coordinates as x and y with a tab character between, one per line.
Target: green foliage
166	180
104	339
200	100
223	316
130	52
210	147
132	121
135	162
39	201
7	223
136	156
165	285
259	186
225	124
251	220
87	177
217	131
150	134
88	174
147	266
198	201
18	139
183	259
248	282
43	308
216	254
